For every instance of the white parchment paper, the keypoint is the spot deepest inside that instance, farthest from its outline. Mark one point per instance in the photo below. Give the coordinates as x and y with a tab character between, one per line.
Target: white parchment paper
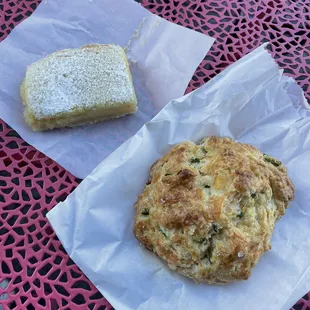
250	101
164	57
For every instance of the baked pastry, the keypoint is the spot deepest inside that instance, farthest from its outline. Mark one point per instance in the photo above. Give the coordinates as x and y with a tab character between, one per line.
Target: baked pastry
78	86
209	210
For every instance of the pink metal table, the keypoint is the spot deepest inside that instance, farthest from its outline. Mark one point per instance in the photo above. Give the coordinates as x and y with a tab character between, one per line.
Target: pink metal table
36	273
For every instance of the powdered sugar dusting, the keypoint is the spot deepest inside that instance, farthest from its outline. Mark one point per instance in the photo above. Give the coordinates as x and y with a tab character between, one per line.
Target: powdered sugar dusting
78	78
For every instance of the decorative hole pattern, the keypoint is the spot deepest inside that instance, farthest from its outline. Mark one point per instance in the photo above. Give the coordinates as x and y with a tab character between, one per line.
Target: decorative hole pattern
239	26
35	272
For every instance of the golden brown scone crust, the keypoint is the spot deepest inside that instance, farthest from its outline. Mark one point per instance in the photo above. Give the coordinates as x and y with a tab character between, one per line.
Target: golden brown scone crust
209	210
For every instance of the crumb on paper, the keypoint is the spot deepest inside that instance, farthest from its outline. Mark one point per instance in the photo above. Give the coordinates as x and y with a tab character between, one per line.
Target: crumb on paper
152	28
135	35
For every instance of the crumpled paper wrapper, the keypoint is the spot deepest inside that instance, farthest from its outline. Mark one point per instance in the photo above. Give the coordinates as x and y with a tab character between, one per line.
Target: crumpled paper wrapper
251	102
164	57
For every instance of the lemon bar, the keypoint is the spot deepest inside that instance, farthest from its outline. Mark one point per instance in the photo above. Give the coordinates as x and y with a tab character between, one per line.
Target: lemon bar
78	86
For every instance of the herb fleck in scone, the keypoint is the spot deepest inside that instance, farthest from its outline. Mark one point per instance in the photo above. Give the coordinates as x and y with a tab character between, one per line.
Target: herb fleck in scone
209	210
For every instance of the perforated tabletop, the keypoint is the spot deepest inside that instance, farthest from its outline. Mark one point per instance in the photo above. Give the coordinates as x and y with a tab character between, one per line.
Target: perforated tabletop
36	273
